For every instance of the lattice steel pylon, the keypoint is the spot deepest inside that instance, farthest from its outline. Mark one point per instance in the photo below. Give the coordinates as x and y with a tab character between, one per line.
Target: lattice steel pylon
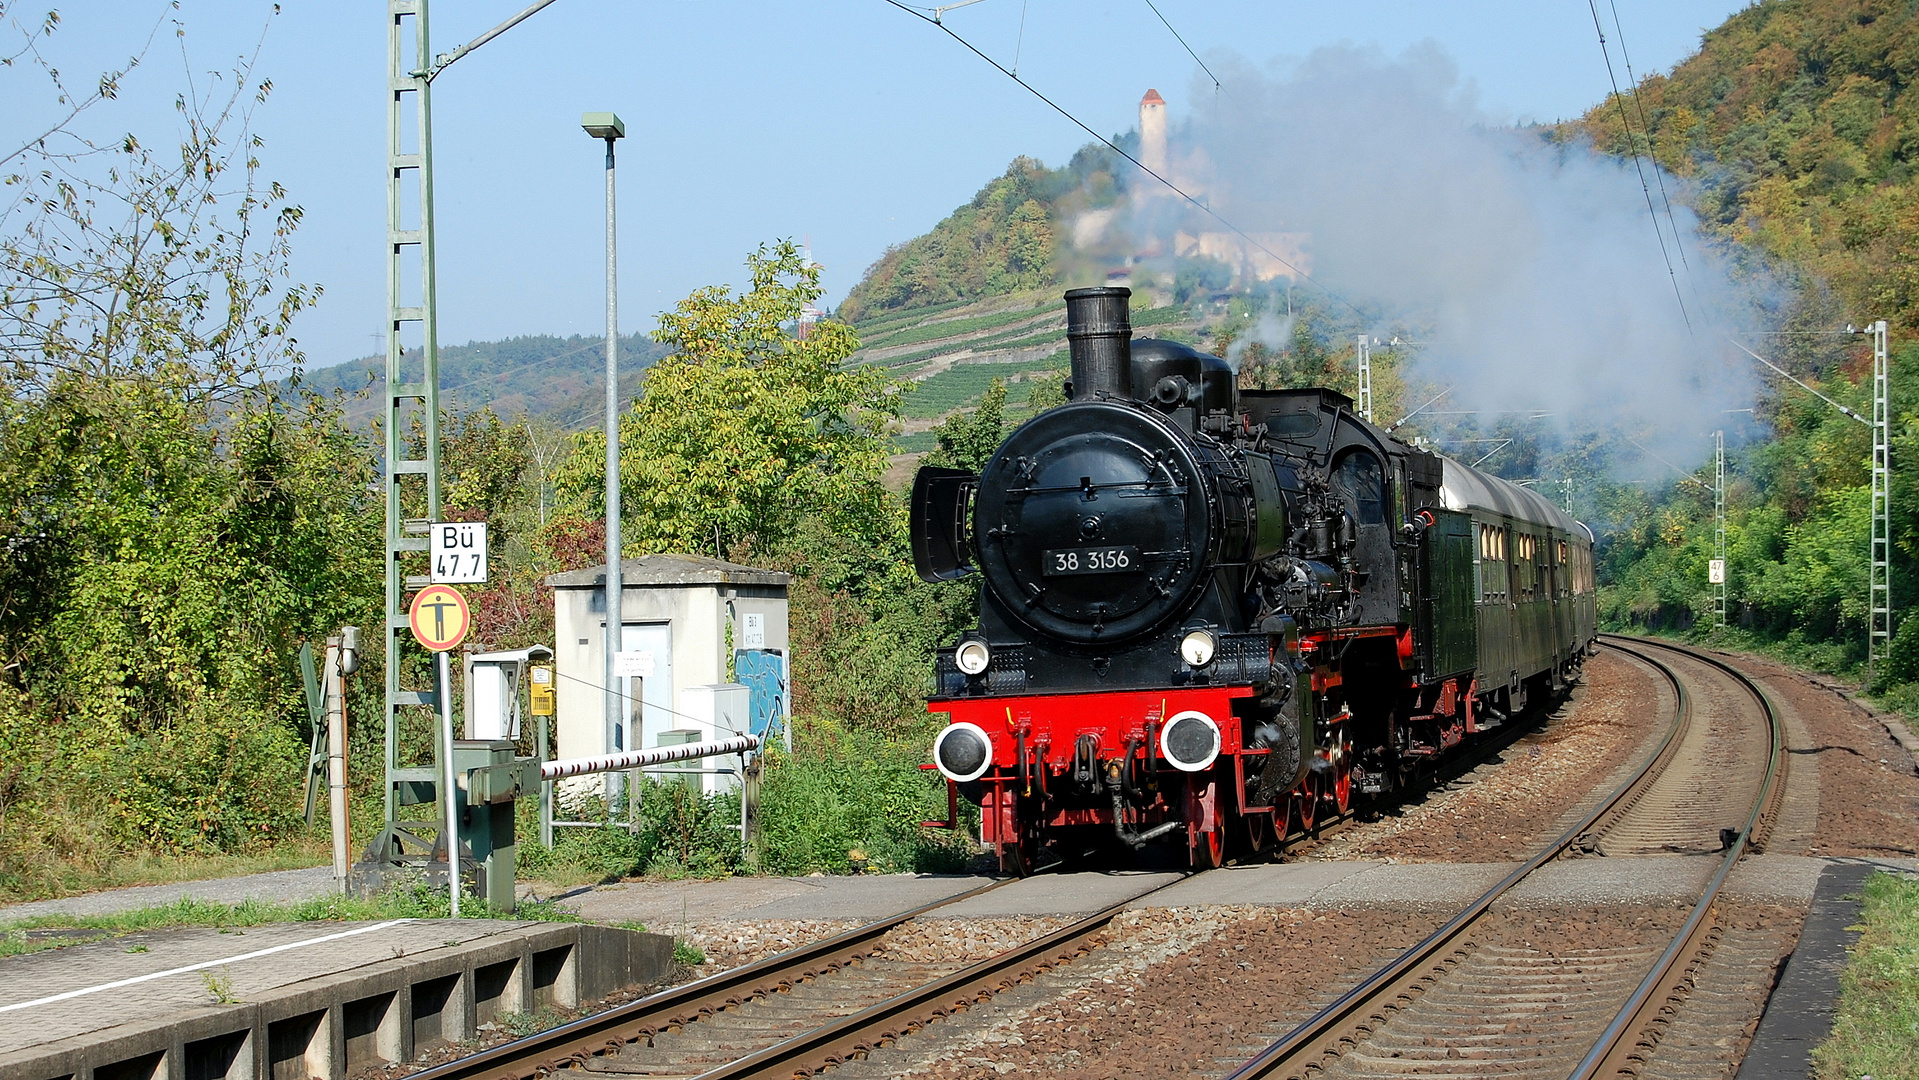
1719	528
1879	593
1363	350
408	401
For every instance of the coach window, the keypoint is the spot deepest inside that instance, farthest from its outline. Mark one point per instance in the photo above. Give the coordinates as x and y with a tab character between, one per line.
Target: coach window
1479	560
1360	482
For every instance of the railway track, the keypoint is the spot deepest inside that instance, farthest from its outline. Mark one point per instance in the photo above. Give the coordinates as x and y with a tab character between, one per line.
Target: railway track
792	1014
805	1009
1450	770
1454	1006
1443	1007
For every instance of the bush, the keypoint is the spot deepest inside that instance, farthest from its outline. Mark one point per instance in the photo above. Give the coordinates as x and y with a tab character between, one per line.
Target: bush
839	791
679	832
1902	658
843	790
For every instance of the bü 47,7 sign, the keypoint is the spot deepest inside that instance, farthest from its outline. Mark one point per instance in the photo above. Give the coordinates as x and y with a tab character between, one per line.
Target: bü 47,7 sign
458	549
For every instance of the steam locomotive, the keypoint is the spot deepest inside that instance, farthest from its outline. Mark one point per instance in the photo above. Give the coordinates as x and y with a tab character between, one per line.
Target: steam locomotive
1216	614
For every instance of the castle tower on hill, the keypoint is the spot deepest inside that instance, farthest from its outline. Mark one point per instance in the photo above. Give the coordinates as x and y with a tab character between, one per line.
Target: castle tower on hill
1152	132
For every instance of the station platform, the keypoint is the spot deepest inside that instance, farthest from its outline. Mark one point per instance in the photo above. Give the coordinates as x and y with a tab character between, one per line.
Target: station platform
322	1000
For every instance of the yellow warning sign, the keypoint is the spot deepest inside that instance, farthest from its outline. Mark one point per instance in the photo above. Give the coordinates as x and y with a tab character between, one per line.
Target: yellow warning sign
439	617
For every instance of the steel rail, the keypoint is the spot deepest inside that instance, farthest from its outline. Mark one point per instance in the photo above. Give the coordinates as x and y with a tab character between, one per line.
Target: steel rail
606	1032
1622	1047
1401	978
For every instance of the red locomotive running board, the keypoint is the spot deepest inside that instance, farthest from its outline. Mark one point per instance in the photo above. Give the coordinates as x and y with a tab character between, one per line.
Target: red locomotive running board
1060	719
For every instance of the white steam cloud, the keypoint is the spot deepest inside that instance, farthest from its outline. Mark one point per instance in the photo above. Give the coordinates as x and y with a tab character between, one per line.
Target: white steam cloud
1270	330
1530	271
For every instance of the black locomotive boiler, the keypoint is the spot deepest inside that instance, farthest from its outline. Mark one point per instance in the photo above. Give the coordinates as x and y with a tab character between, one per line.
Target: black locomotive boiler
1214	614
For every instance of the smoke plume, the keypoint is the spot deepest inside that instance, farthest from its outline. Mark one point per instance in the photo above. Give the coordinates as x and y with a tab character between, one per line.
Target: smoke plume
1531	271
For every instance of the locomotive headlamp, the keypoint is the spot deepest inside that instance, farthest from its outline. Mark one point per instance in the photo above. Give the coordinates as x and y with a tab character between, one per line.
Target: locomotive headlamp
963	752
1189	741
1196	648
972	657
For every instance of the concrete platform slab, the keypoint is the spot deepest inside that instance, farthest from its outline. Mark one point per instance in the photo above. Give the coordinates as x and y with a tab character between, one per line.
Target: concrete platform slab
46	996
1776	879
666	905
1286	885
1061	894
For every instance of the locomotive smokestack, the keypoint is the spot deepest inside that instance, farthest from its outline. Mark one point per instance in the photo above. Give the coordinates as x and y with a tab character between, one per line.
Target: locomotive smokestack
1099	333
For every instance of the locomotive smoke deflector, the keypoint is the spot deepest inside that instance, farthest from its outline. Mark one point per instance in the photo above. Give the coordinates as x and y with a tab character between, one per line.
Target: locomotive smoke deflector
941	506
1099	333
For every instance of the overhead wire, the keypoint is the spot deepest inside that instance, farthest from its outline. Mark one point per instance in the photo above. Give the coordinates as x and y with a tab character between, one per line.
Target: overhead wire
1019	44
1108	143
1639	166
1183	45
1798	382
1645	125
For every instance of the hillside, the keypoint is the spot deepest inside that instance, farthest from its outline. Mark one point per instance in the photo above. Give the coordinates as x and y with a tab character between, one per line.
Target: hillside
540	375
1797	127
952	352
1005	241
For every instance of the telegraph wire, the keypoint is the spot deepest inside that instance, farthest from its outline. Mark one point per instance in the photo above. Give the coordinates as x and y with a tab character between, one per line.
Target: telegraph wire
1183	45
1639	166
1108	143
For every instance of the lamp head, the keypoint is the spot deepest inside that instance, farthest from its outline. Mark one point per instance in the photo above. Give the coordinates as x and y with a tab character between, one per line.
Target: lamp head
349	649
603	125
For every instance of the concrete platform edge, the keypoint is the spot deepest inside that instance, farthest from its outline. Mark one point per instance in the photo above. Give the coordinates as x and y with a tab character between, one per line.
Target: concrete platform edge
334	1026
1798	1016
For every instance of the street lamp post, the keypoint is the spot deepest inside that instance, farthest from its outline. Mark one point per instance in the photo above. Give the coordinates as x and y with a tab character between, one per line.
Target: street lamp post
605	125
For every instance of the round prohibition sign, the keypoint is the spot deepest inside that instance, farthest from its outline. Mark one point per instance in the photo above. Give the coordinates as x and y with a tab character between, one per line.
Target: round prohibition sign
439	617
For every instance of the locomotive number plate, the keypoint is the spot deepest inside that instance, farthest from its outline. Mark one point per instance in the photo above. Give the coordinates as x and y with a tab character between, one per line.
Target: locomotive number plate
1098	560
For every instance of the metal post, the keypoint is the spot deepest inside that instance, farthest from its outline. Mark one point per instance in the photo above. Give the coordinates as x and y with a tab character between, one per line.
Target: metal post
615	618
449	789
336	760
1879	619
1365	353
407	401
1719	527
607	126
546	791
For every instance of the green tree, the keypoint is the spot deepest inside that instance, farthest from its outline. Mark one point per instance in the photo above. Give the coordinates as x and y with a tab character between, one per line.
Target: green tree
484	466
173	522
746	429
967	440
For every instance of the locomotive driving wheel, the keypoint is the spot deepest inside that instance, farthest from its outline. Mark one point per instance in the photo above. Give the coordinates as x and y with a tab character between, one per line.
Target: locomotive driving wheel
1021	857
1306	803
1259	832
1205	831
1337	792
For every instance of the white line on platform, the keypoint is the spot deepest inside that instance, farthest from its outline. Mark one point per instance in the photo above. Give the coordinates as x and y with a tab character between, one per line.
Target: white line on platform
118	983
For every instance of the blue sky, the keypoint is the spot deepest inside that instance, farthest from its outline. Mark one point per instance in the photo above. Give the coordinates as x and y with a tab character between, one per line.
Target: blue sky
846	122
